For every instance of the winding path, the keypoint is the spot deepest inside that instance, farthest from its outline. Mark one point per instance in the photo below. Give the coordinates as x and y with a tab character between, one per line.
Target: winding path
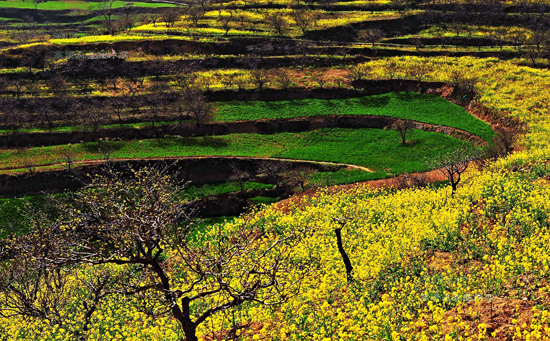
97	162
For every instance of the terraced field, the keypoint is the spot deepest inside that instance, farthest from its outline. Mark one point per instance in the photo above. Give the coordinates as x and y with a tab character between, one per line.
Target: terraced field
285	105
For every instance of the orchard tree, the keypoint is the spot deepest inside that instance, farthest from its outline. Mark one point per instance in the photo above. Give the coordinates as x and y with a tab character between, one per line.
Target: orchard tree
197	106
259	78
418	70
171	15
404	127
283	78
303	18
453	164
371	35
106	10
278	21
226	22
128	234
391	69
195	13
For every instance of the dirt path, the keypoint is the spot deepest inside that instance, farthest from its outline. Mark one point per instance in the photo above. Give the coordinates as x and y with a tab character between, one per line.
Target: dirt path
48	167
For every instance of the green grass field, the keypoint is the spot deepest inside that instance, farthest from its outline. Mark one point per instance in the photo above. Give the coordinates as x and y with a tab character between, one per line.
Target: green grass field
419	107
422	108
200	191
377	149
63	5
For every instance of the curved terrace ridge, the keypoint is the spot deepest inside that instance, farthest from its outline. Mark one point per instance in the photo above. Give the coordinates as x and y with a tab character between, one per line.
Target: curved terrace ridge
263	126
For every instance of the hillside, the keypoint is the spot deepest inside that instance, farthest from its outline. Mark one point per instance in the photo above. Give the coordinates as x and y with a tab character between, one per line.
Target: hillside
206	170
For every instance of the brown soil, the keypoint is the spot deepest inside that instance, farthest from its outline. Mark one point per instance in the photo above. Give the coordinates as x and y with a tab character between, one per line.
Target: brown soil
499	314
398	182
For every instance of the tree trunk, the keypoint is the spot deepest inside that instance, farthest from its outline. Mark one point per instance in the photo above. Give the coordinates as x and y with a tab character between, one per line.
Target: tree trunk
345	258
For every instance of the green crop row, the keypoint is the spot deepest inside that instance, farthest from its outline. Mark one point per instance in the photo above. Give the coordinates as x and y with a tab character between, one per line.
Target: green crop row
423	108
379	150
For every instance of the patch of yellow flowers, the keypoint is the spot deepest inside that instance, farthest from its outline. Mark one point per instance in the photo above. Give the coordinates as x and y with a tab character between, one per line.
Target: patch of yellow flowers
426	265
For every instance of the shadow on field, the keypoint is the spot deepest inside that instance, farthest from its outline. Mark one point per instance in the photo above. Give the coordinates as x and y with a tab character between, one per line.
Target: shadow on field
205	141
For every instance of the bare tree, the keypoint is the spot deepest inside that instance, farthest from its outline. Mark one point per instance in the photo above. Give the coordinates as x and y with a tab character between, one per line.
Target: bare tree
418	71
278	21
226	22
195	14
404	127
464	83
300	176
171	15
391	69
105	8
197	106
283	78
412	180
12	116
91	116
303	18
58	86
272	171
359	72
502	143
239	175
371	35
319	78
68	158
242	81
259	78
453	164
122	248
539	38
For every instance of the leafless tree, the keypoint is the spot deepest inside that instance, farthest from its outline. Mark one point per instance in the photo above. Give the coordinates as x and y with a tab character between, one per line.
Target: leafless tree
342	221
359	72
242	81
226	22
408	180
502	143
404	127
259	78
197	106
453	164
418	71
464	83
371	35
195	14
278	21
303	18
12	116
391	69
105	8
283	78
171	15
122	248
91	115
539	38
240	176
68	158
58	86
228	80
272	171
300	176
319	78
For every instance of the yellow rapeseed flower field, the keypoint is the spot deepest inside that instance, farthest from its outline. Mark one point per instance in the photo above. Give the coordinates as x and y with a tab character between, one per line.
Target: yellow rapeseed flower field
426	265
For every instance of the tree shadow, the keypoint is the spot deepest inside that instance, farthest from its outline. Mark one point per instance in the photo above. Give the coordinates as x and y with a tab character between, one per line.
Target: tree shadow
103	146
205	141
375	101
